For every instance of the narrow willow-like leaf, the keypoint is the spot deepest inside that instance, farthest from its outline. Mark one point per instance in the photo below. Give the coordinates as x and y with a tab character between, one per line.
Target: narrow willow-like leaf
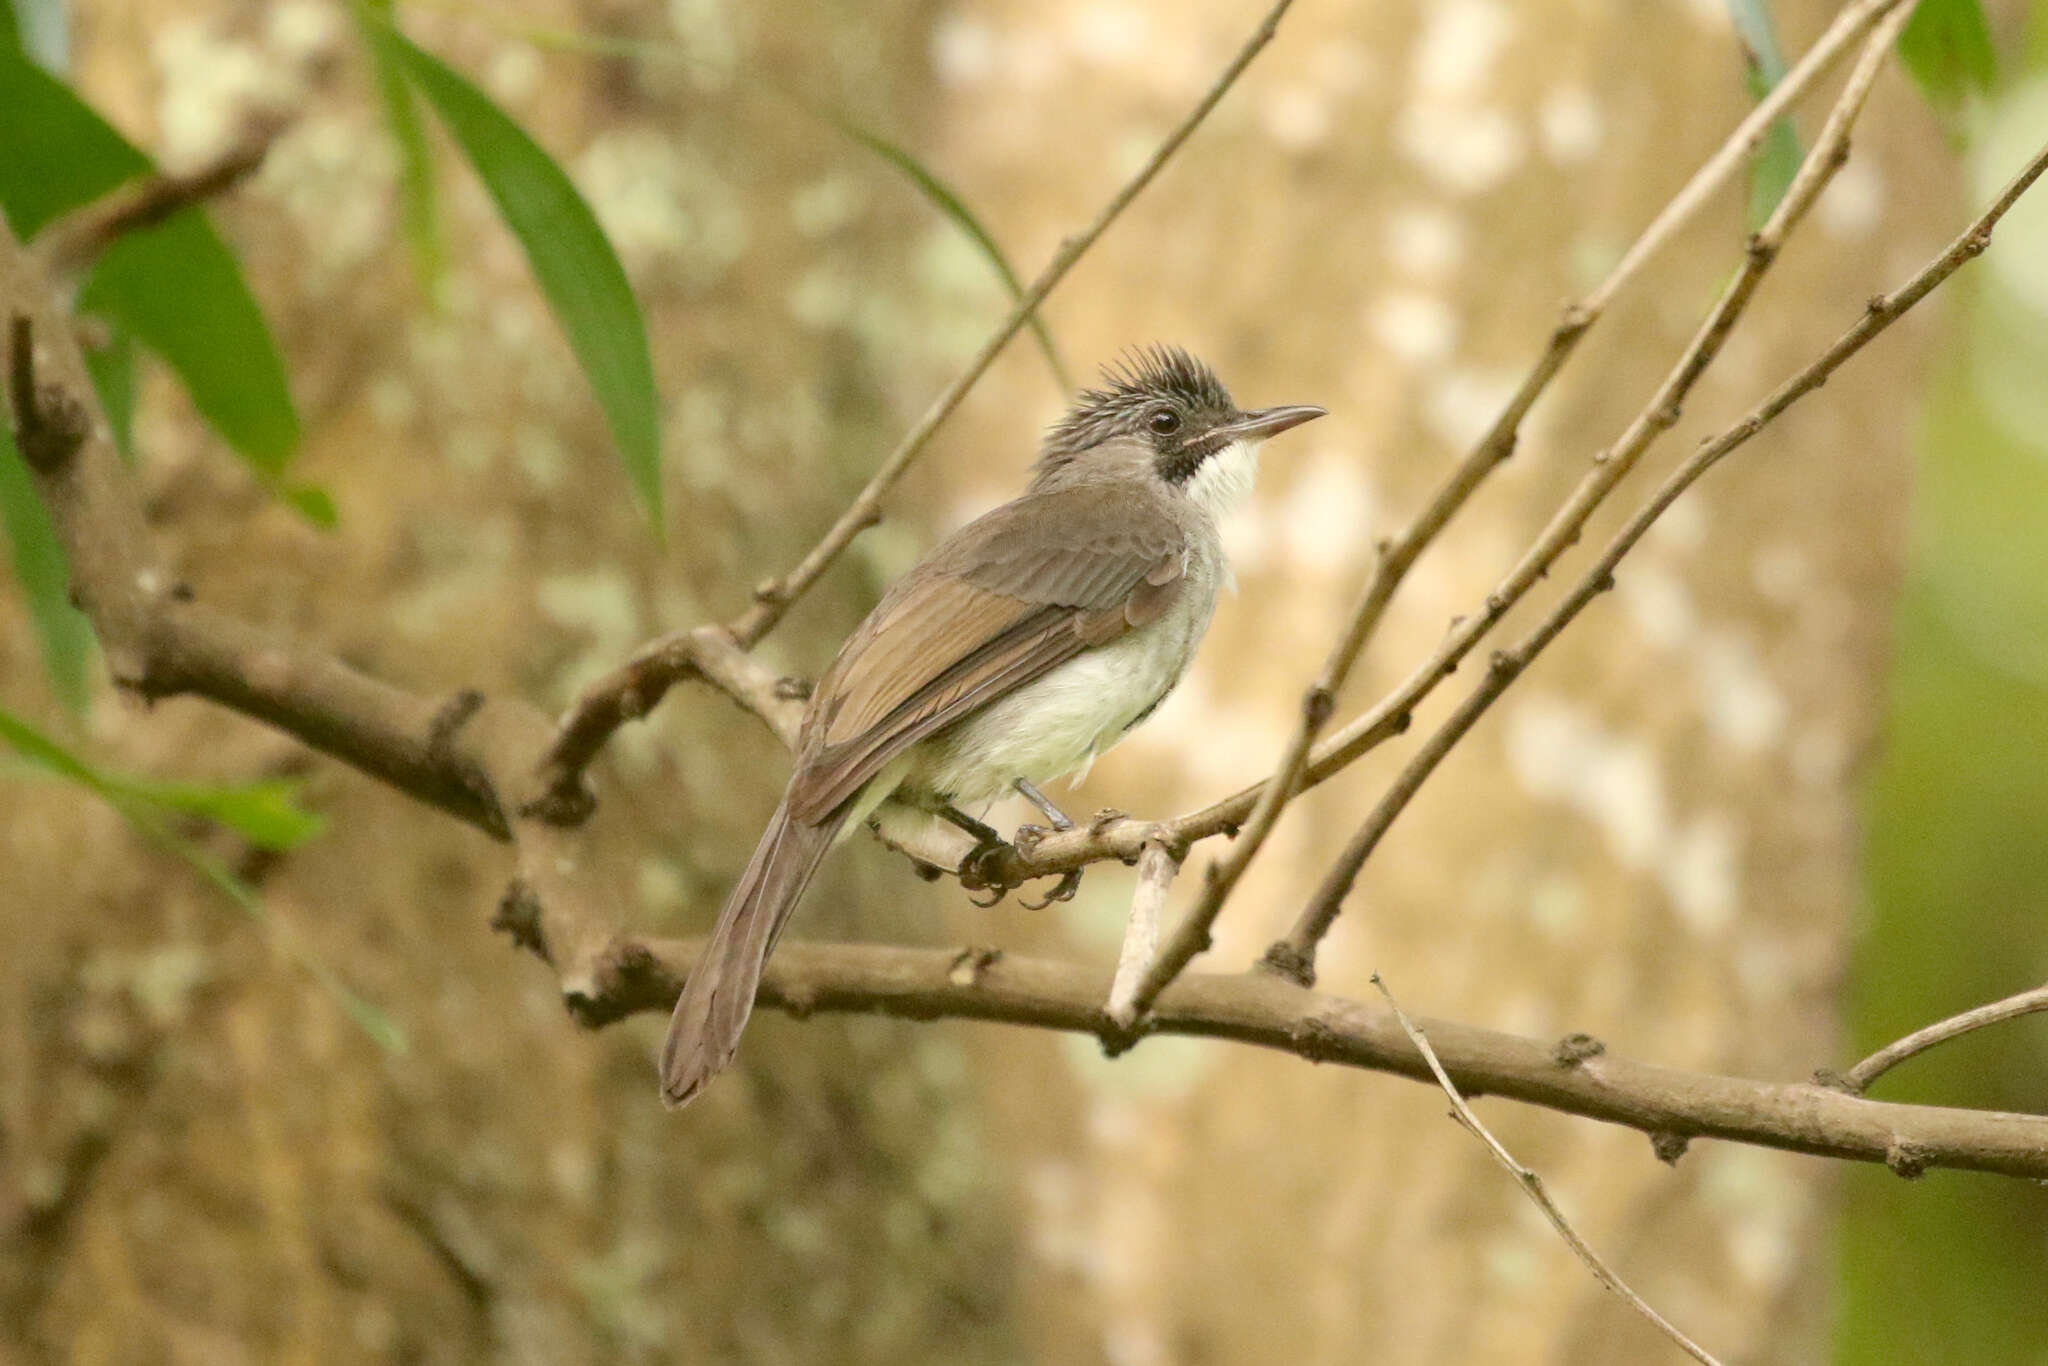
942	197
1947	47
1777	158
265	813
418	198
313	503
577	269
176	288
376	1024
45	577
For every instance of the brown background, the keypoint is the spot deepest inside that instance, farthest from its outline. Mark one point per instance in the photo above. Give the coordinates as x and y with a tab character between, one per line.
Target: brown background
1652	839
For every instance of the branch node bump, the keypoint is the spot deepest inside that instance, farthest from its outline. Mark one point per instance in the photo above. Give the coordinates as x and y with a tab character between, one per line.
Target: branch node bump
449	720
1669	1146
564	804
790	689
1314	1038
49	424
1833	1080
1284	960
970	963
1907	1158
518	915
1317	706
1574	1049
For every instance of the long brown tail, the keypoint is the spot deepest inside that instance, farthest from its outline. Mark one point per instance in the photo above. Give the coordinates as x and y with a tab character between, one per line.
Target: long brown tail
704	1032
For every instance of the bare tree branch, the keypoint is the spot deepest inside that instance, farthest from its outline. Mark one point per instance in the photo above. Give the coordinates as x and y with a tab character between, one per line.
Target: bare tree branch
1532	1186
1393	558
603	707
71	244
1576	1076
1857	1079
1134	965
1295	955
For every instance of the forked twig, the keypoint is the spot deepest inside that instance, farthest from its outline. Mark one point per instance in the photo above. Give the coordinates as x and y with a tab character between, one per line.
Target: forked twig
1532	1186
1394	557
1294	956
1507	665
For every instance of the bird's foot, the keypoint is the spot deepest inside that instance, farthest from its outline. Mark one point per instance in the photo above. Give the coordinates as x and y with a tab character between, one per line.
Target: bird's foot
1106	817
1063	890
981	870
1026	842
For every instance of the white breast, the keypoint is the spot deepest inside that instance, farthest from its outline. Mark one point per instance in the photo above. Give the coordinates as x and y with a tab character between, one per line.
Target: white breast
1059	723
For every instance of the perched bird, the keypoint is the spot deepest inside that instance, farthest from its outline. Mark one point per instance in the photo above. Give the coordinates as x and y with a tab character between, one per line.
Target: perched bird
1022	646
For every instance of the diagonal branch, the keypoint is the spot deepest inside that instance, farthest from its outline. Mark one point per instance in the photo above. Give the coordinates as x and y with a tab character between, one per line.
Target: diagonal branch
1393	558
1857	1079
1532	1185
1295	955
631	692
1506	666
68	246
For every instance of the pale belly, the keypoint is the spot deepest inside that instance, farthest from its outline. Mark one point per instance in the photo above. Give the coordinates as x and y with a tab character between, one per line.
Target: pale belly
1059	723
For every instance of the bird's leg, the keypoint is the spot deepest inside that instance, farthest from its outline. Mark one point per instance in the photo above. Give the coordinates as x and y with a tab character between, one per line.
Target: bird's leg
1028	836
987	843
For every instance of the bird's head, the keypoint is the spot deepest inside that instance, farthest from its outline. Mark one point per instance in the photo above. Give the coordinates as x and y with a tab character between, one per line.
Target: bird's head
1165	412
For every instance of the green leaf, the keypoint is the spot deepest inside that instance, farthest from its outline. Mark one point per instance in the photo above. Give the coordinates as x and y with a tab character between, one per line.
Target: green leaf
420	204
175	288
113	378
45	576
313	503
1777	158
942	197
381	1029
55	153
10	32
576	267
265	813
1947	47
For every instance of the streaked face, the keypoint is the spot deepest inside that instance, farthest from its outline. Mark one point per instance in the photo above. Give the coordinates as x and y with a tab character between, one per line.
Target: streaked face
1169	403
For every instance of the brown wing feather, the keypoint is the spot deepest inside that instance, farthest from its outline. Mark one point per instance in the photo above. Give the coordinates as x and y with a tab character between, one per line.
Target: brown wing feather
991	609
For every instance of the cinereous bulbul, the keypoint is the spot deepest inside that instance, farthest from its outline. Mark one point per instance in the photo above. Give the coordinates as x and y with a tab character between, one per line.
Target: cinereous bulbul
1022	646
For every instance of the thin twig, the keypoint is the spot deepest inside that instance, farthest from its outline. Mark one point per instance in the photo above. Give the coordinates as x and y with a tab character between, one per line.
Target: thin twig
1393	558
1857	1079
70	245
775	597
595	715
1294	956
1507	665
1532	1186
1156	869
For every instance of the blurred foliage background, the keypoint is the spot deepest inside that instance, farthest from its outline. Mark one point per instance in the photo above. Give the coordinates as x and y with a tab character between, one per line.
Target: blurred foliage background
547	327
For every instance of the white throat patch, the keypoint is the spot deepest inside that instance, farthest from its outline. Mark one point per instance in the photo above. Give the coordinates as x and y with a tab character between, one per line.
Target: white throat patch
1221	483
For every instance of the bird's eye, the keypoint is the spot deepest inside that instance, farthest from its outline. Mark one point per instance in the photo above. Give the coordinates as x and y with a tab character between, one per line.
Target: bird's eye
1164	421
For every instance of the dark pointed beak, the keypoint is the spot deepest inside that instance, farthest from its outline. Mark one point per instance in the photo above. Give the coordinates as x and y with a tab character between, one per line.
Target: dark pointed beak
1271	421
